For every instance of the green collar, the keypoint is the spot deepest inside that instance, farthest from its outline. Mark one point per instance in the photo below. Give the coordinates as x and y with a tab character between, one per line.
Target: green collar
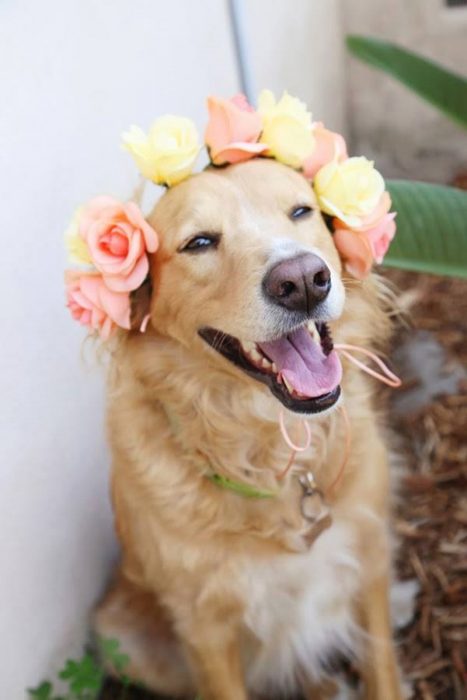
243	489
222	482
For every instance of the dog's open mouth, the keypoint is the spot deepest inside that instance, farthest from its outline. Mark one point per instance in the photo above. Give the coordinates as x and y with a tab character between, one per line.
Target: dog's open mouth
301	368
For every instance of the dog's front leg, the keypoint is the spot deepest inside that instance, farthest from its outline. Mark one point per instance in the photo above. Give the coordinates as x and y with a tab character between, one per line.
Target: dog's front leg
380	671
214	654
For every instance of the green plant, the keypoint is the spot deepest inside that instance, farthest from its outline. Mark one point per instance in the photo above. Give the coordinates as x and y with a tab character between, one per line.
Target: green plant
85	676
432	219
431	228
441	87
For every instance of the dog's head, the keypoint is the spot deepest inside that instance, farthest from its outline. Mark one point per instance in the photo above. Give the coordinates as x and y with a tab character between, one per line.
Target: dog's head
247	271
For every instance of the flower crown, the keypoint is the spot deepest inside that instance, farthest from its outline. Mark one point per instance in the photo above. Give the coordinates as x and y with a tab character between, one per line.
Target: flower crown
111	240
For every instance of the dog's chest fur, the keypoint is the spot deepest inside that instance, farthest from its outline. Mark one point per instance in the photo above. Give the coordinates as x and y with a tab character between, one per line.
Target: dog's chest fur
299	608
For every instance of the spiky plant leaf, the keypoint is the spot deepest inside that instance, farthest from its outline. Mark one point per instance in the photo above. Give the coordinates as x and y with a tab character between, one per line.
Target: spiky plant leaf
441	87
431	228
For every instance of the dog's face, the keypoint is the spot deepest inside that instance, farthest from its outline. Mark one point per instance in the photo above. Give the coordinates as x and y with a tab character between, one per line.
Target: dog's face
247	264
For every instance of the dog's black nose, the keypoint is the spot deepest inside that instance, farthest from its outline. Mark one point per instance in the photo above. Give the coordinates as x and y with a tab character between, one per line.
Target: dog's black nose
299	283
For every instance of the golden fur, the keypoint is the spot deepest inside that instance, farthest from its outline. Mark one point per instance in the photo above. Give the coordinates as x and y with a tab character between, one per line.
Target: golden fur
194	556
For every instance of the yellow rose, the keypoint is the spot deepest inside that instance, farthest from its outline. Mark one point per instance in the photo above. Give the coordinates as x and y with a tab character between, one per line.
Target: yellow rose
349	190
76	246
286	128
167	154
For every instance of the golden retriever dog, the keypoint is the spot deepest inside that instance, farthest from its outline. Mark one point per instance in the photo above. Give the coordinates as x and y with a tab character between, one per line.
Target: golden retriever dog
244	575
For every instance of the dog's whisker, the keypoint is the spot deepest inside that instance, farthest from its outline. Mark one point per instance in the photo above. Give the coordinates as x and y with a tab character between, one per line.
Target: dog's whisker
219	338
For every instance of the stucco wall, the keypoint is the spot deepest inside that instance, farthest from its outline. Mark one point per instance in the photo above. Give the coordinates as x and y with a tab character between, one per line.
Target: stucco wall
73	75
297	46
406	136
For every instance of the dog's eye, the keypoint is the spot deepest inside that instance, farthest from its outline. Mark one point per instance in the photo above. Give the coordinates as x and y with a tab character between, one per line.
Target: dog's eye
300	212
203	241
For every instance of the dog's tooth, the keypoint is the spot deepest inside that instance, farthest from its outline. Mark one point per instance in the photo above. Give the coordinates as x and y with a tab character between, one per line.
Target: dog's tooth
274	367
265	363
288	385
252	352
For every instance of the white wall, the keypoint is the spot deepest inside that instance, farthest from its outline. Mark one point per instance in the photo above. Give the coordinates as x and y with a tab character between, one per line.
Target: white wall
73	74
296	45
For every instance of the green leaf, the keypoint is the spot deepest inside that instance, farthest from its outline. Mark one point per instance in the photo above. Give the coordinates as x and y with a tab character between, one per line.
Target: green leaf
110	650
42	692
444	89
83	675
431	228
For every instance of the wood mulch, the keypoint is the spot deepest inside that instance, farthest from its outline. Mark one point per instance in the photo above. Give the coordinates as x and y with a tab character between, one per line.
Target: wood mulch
431	519
432	516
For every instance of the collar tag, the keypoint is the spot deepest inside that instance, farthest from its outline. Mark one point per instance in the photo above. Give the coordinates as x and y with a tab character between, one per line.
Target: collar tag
312	505
314	508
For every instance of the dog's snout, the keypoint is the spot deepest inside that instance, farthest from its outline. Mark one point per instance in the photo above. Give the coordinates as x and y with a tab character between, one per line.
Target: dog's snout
298	283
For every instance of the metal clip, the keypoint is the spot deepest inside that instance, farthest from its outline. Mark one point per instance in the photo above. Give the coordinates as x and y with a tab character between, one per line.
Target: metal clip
312	505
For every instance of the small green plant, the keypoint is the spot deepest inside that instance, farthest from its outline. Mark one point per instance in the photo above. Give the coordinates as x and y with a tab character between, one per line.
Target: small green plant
85	676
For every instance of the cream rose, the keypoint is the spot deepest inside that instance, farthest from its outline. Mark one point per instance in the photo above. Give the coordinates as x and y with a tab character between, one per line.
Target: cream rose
167	154
349	190
286	128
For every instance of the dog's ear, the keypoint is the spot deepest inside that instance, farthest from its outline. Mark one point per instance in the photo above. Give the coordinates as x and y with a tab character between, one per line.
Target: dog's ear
140	304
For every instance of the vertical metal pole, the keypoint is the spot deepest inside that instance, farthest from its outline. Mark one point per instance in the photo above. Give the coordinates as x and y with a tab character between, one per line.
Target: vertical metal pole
238	27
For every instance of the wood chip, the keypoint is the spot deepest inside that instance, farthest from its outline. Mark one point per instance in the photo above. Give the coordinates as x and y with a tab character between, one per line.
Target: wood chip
429	669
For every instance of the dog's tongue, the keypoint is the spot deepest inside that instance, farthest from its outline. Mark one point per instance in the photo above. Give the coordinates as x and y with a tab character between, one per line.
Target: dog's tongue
303	363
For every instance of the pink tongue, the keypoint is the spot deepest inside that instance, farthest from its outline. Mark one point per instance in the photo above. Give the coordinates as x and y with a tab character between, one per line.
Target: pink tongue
303	363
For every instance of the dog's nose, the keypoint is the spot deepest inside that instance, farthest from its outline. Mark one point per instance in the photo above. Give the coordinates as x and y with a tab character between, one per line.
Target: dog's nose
299	283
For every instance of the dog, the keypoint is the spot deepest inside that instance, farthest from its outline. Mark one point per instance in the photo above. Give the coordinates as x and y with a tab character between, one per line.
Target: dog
227	586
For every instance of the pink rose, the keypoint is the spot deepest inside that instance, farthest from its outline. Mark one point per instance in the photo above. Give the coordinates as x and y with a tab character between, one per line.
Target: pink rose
329	146
118	238
381	235
355	251
360	246
94	305
233	130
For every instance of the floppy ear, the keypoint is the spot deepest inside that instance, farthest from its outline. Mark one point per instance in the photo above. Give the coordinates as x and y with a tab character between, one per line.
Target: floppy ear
140	301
